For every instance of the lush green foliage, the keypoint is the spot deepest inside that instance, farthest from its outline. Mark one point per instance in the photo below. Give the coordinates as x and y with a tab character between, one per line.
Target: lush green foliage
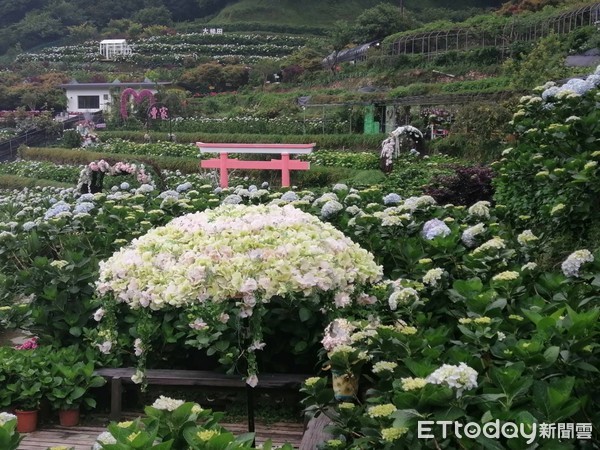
498	84
548	179
477	132
465	296
72	380
411	174
64	376
362	160
177	425
467	185
41	169
9	436
544	62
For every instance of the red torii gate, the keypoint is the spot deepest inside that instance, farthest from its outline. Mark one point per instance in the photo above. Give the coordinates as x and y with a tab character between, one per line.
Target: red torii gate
285	164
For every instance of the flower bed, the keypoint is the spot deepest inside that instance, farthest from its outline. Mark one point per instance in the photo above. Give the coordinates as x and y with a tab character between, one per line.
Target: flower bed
467	325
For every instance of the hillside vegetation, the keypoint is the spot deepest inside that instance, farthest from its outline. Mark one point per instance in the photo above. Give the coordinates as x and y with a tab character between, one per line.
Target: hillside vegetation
325	12
30	23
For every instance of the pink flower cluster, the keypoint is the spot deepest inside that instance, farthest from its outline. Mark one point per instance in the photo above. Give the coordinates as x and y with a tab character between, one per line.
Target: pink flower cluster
122	167
143	177
338	332
99	166
29	344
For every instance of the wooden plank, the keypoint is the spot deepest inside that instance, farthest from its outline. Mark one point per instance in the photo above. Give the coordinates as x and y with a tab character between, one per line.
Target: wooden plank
206	378
82	438
116	395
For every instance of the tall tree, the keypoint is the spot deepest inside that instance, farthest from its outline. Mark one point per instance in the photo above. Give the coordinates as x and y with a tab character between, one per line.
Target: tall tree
380	21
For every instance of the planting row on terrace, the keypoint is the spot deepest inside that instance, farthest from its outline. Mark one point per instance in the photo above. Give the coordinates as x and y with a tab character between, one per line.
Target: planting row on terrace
175	48
448	179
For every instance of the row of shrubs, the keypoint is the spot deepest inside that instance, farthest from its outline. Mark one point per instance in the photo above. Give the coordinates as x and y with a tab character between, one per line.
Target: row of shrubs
362	142
77	157
20	182
486	85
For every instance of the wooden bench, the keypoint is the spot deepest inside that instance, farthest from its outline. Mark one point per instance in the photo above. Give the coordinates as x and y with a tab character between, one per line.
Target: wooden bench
285	164
167	377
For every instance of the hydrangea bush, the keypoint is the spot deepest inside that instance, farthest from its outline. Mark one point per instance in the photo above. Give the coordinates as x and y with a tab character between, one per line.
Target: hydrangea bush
487	338
549	178
175	424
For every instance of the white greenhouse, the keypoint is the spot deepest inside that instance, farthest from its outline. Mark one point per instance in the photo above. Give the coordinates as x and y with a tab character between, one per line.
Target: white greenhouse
109	48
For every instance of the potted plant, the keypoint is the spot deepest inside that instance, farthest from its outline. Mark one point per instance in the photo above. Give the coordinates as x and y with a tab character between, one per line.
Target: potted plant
346	364
29	389
72	379
344	360
27	380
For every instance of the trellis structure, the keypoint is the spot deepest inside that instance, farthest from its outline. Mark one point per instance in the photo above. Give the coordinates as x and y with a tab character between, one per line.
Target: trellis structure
433	43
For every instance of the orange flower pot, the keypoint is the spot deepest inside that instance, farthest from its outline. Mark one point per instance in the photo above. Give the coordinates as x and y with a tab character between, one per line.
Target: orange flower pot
26	420
68	417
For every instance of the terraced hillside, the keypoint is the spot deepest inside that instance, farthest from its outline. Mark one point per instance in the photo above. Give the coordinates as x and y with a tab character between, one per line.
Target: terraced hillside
173	49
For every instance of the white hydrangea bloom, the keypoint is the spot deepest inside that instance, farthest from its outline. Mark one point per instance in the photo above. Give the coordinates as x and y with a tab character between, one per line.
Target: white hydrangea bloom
384	366
480	209
167	404
495	243
328	196
137	377
392	199
402	296
433	276
138	347
206	255
468	236
508	275
289	196
339	332
529	267
105	347
573	263
413	203
104	438
331	208
6	417
99	314
461	377
526	237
